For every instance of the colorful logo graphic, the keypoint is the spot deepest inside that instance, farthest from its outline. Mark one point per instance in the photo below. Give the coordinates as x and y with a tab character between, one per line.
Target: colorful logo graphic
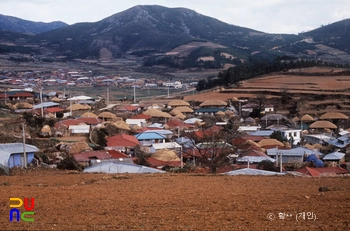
17	212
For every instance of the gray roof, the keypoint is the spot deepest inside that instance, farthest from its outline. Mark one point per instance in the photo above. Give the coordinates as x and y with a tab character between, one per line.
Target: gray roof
117	167
255	172
10	148
334	156
255	159
299	151
45	104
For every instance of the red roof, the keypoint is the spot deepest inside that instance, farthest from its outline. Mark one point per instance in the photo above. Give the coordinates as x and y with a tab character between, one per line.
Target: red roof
90	121
122	140
322	171
141	116
67	123
116	154
54	109
174	123
159	163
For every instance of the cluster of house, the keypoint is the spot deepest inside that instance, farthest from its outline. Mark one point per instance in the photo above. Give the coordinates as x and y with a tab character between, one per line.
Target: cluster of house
80	78
160	131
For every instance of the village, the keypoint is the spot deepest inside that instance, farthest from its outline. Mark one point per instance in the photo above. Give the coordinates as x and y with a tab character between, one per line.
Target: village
94	134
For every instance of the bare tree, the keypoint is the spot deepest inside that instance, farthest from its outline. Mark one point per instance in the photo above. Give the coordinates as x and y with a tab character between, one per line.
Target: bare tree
211	148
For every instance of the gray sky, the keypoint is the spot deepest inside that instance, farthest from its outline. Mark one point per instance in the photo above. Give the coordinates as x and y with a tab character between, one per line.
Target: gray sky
271	16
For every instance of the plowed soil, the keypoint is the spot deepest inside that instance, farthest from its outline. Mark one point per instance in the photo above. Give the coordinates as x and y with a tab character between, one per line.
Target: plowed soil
76	201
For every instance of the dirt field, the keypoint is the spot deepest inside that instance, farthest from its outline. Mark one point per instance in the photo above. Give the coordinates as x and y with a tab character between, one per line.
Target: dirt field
66	201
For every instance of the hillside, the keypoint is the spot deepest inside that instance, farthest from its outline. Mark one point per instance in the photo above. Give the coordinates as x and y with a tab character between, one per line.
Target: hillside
155	34
13	24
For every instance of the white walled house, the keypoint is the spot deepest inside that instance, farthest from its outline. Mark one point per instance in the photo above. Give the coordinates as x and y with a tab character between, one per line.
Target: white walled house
294	134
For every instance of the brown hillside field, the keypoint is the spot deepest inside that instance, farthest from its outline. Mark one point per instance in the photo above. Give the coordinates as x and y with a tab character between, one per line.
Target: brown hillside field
66	201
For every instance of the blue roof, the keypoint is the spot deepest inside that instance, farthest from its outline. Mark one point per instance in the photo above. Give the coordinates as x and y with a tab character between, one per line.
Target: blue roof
261	133
149	136
45	104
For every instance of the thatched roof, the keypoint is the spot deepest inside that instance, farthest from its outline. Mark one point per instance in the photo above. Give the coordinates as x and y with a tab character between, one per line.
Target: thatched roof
136	127
234	99
184	109
23	105
157	113
296	119
274	117
76	107
165	155
55	99
178	102
307	118
175	112
122	125
180	116
213	103
252	143
229	112
323	124
309	146
107	115
333	115
89	115
270	142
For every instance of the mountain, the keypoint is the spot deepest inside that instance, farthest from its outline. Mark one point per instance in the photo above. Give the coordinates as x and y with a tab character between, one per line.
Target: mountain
181	38
13	24
145	29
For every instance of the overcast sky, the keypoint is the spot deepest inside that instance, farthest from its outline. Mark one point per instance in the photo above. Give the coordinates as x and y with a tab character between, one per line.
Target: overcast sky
271	16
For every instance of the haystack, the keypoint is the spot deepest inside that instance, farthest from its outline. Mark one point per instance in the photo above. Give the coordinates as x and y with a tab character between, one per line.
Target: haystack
177	103
79	147
323	124
333	116
307	118
76	107
220	114
295	119
157	113
184	109
107	115
23	105
165	155
46	131
122	125
270	142
89	115
215	103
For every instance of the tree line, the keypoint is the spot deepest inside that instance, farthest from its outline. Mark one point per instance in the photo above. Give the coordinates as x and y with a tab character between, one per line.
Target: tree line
244	71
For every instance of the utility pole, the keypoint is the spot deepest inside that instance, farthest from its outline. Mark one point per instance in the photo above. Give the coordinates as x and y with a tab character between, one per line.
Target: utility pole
134	95
41	101
24	145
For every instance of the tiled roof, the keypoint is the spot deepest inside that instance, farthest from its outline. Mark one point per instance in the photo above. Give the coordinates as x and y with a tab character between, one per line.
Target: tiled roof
67	123
54	109
141	116
159	163
122	140
322	171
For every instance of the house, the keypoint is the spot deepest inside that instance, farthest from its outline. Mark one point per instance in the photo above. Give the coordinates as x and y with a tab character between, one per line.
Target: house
85	158
174	146
291	156
12	154
334	158
149	138
79	129
136	122
342	141
166	133
291	135
322	139
122	142
317	172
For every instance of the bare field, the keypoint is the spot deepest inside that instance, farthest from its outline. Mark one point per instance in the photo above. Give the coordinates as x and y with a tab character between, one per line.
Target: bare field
66	201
